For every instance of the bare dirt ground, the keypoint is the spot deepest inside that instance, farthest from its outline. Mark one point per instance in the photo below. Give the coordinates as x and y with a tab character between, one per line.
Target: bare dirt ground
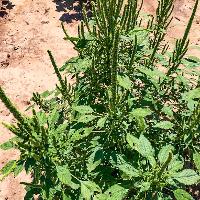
29	29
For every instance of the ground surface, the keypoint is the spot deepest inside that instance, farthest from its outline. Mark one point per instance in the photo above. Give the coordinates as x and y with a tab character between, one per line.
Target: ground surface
29	29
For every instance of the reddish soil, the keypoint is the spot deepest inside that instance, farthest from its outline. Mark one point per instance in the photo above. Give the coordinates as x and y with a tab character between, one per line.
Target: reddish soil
28	30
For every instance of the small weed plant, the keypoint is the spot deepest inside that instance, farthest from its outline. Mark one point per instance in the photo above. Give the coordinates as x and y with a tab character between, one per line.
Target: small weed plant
128	128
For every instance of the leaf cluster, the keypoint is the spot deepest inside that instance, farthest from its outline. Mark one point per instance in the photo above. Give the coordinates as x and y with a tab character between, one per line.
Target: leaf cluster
128	128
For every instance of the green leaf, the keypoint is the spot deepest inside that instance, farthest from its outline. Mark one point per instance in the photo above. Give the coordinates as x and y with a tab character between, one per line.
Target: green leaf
87	131
71	60
140	112
187	177
116	192
46	93
8	168
101	197
124	82
88	188
101	122
141	124
191	104
128	170
152	161
175	165
168	111
144	147
53	118
76	65
65	176
94	159
83	109
164	125
7	145
153	75
164	153
51	194
145	186
61	128
182	195
65	197
80	133
86	118
43	118
196	158
192	94
142	36
18	169
75	135
131	140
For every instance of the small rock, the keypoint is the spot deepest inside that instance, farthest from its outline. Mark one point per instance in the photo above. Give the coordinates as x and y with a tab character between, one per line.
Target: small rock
44	22
15	48
4	64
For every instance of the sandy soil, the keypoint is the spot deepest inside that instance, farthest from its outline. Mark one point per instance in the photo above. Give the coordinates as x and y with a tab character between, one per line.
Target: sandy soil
28	30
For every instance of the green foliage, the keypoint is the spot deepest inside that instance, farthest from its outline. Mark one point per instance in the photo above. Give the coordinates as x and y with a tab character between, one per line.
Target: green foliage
196	157
128	128
182	195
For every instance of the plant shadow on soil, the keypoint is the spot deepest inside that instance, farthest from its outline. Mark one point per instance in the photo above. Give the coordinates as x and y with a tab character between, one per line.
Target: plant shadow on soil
6	5
72	9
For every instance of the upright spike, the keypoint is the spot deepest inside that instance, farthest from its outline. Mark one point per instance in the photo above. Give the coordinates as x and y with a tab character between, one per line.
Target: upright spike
85	18
114	61
190	23
124	17
66	35
11	107
133	52
82	30
55	68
